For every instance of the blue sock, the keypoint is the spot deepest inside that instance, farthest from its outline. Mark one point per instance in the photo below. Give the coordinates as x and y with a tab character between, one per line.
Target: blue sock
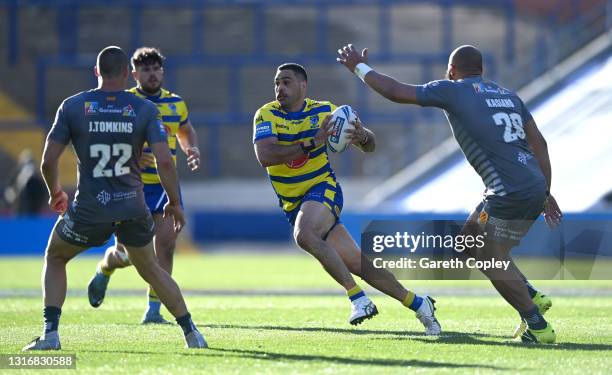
154	307
52	316
416	303
534	319
186	323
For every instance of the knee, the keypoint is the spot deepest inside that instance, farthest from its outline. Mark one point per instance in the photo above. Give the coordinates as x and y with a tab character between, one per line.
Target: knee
305	239
164	249
55	254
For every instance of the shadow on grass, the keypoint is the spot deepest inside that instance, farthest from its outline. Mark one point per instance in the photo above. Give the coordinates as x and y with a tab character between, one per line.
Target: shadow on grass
447	337
456	338
355	331
274	356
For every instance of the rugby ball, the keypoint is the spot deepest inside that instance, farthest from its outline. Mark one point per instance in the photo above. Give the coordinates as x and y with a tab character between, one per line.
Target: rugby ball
342	120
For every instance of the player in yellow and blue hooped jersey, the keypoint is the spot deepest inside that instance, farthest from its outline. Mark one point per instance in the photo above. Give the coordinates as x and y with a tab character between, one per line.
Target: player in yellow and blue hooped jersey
147	65
290	136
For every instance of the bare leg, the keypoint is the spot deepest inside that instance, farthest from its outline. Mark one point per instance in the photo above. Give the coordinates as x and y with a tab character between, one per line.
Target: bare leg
313	221
143	258
505	282
358	264
54	280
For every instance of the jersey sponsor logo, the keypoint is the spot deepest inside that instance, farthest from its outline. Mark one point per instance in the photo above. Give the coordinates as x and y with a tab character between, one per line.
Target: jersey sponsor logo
103	197
299	162
123	196
482	88
281	126
91	108
172	107
314	122
128	111
162	128
110	127
263	129
523	157
499	103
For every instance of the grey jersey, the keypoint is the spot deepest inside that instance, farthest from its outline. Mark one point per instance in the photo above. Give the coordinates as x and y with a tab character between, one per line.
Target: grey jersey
487	122
107	131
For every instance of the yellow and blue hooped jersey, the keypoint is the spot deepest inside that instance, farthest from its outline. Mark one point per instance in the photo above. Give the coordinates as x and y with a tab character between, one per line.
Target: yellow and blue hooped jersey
291	181
174	114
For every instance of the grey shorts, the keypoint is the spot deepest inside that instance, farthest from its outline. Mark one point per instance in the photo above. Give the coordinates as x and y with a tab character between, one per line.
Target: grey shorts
136	232
507	219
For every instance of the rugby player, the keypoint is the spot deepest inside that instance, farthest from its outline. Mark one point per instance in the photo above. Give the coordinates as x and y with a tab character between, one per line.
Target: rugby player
108	127
290	136
148	72
501	141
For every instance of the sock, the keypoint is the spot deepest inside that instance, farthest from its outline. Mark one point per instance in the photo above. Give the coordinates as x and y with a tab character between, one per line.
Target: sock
412	301
104	271
154	302
534	319
532	291
355	293
52	316
186	324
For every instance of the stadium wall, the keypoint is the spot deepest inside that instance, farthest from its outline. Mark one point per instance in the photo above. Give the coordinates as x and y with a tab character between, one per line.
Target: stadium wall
579	235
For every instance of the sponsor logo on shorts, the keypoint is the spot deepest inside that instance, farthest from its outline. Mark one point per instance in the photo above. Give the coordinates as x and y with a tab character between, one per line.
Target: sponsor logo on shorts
483	217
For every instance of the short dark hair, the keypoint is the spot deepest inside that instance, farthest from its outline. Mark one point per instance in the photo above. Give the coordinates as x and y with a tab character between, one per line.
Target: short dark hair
296	68
147	56
468	59
112	62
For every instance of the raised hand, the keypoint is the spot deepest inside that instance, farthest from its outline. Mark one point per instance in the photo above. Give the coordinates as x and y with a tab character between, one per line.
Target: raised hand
350	57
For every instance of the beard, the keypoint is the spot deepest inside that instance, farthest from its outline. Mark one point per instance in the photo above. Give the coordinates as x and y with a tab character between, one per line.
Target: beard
151	88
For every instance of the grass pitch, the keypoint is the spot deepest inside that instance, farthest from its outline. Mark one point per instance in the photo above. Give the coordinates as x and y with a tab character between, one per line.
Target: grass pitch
279	313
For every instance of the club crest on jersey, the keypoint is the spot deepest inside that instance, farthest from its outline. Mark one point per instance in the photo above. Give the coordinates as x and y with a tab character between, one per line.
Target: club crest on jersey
172	107
128	111
103	197
91	108
298	163
314	122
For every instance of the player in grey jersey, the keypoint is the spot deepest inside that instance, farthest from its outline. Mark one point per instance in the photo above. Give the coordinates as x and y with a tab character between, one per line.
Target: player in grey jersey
108	127
501	141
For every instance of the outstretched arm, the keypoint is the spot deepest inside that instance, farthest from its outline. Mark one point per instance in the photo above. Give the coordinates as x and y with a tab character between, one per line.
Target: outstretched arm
386	86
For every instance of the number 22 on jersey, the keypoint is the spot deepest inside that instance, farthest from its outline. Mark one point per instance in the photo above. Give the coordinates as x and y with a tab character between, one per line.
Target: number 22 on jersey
103	151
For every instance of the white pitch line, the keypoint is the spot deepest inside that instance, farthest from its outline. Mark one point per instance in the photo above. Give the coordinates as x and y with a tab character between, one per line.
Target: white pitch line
434	291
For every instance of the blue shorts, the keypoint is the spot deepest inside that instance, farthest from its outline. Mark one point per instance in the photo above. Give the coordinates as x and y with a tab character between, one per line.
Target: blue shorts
156	198
325	193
